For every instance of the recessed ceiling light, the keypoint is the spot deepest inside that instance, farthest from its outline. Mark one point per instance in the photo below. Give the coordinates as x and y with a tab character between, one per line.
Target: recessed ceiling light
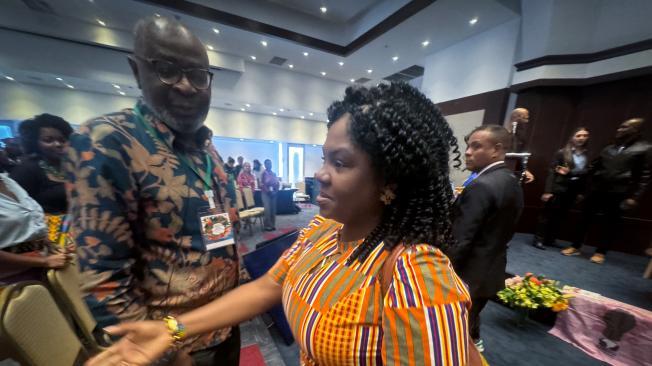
157	15
242	109
247	105
323	73
253	57
264	43
216	31
116	86
9	78
425	43
311	113
281	110
121	93
395	58
313	145
341	63
291	66
210	47
473	20
323	9
305	54
70	86
274	113
352	80
370	71
303	117
60	79
241	139
100	22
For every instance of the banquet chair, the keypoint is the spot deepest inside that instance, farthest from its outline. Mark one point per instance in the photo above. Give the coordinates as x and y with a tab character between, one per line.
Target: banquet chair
33	331
249	203
65	286
245	215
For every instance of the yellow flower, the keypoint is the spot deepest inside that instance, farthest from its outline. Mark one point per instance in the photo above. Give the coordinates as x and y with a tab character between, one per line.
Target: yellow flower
559	306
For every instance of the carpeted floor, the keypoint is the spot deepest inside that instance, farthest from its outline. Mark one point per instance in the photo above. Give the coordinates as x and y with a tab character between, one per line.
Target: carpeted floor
506	343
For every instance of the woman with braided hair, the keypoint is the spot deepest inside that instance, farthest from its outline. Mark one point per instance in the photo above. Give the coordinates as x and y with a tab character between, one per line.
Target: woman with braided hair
366	282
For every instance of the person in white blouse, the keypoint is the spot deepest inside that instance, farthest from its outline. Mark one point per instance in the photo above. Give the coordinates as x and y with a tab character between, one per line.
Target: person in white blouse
24	248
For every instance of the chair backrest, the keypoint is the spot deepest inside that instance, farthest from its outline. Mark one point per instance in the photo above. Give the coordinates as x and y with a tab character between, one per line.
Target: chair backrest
301	187
249	197
65	284
239	201
33	329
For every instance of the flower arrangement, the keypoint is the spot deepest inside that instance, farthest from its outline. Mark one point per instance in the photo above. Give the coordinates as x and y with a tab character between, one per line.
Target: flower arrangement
533	292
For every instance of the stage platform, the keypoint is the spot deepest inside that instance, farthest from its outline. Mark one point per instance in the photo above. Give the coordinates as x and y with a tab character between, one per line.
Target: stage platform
619	278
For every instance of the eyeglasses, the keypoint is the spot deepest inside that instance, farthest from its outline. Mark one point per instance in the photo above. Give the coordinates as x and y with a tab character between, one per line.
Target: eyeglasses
170	73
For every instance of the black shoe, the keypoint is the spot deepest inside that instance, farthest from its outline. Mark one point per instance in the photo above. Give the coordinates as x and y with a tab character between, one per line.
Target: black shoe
539	245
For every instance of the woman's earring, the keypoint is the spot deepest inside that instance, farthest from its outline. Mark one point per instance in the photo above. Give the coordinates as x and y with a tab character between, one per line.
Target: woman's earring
387	196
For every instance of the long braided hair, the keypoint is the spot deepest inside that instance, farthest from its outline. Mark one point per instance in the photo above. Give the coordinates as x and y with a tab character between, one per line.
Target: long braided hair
408	141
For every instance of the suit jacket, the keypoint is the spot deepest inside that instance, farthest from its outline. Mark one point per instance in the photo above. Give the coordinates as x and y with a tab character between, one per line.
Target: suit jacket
626	170
484	219
557	183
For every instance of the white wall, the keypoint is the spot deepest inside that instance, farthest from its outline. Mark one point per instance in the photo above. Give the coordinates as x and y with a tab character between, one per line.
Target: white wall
476	65
20	101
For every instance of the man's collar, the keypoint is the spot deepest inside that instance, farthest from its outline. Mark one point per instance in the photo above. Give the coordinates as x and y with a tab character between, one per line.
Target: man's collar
490	166
149	116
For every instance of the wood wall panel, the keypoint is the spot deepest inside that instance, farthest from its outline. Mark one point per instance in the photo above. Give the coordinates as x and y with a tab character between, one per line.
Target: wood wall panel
555	111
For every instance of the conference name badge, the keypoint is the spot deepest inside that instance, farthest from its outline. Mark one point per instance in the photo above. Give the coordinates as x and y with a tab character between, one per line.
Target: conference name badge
216	229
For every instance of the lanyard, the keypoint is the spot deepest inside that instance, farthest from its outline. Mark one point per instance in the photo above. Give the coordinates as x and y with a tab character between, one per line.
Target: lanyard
206	177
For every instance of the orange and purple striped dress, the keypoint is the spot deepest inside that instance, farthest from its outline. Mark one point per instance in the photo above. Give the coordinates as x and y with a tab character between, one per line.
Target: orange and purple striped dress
339	315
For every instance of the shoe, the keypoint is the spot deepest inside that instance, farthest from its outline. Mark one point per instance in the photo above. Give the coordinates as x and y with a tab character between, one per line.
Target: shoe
597	258
539	245
479	345
269	229
570	251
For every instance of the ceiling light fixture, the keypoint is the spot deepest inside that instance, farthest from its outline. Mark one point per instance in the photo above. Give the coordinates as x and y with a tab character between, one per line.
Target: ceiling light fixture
157	15
9	78
323	73
216	31
305	54
281	110
210	47
264	43
352	80
425	43
341	63
311	113
70	86
395	58
323	9
60	79
100	22
253	57
370	71
271	142
116	86
303	117
473	20
247	105
241	139
291	66
121	93
242	109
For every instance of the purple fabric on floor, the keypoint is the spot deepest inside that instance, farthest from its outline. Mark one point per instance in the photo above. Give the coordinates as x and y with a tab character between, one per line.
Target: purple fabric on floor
594	320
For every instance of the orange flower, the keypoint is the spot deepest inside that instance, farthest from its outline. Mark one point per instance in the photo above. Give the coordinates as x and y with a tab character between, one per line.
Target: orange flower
559	306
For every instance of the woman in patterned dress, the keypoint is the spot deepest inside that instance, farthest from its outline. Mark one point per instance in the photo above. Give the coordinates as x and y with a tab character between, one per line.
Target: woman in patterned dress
366	282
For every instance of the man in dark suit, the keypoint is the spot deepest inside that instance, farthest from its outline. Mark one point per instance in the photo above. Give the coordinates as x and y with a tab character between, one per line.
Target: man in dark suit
484	218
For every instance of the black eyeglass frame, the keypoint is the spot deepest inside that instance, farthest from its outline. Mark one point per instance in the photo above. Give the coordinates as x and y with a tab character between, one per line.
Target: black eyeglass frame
183	72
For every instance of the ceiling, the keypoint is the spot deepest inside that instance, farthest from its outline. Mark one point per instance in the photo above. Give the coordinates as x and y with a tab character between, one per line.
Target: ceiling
303	26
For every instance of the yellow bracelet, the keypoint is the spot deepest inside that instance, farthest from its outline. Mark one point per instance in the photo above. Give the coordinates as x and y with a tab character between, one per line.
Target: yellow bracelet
177	330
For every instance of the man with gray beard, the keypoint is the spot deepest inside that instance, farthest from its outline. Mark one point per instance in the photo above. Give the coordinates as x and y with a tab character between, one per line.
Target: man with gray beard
147	196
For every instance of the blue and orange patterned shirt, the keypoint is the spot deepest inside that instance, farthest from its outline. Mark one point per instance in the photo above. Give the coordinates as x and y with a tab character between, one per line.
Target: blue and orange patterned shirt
135	207
340	314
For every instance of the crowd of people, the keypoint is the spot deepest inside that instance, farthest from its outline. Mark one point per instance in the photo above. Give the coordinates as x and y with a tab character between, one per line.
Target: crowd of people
394	270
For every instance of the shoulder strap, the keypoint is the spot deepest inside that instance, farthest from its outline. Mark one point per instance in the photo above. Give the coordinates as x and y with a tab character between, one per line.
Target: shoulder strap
386	271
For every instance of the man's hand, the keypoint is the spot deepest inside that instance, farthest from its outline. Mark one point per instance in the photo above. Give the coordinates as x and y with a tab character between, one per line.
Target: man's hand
529	177
562	170
546	197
